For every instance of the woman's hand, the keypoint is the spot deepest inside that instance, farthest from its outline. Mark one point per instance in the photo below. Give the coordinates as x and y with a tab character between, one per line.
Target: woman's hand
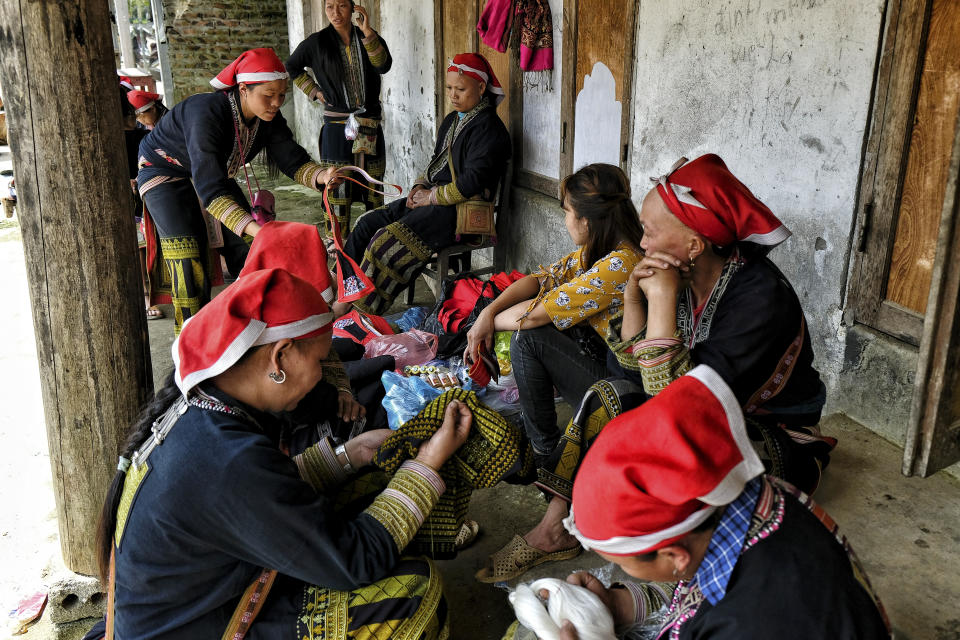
328	176
617	601
413	190
419	198
348	409
659	273
480	333
252	229
448	438
363	20
361	449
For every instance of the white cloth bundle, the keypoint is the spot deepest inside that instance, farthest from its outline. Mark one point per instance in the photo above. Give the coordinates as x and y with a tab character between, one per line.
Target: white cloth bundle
579	605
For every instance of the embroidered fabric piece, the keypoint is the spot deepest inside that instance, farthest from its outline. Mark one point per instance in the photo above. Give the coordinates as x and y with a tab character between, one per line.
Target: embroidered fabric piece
247	136
695	330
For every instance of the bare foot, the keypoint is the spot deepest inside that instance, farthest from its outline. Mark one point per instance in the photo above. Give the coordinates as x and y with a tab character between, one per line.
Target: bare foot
549	534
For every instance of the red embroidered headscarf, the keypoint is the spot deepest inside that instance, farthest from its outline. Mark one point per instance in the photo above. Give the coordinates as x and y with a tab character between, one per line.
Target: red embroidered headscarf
142	100
657	472
252	66
259	308
709	199
477	67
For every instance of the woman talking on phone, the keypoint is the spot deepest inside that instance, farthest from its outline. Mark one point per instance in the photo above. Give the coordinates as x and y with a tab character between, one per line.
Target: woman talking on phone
347	61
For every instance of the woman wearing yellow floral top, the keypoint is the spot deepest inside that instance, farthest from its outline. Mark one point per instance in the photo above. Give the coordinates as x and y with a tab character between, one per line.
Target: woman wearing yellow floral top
561	313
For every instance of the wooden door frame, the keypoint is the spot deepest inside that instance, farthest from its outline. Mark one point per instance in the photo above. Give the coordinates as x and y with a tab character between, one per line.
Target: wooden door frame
896	86
931	443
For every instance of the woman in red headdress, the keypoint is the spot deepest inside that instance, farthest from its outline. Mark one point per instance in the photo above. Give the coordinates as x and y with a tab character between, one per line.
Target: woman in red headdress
148	107
752	556
705	293
393	243
216	525
197	150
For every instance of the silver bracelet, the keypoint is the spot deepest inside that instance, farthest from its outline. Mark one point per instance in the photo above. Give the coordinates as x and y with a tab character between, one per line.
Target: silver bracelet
342	448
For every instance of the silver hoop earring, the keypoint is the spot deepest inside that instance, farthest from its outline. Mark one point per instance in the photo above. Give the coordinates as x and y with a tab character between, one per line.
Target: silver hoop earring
278	376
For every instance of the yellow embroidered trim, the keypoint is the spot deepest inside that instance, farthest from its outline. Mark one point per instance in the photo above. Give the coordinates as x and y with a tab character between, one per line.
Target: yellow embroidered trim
230	213
449	194
661	360
305	83
319	467
307	174
375	50
131	484
397	517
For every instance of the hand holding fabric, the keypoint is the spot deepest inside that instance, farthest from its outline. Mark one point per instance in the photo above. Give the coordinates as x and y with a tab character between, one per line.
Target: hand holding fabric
452	433
360	449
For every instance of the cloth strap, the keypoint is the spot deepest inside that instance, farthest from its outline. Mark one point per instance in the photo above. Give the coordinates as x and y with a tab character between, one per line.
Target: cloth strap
352	282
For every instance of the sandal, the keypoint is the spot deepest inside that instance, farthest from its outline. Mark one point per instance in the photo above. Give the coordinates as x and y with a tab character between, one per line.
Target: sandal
517	557
155	313
468	533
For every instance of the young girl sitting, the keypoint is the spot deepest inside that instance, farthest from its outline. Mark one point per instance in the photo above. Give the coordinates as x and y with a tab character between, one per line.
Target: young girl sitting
560	314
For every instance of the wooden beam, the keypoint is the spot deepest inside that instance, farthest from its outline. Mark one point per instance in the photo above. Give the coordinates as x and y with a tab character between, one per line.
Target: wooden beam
80	247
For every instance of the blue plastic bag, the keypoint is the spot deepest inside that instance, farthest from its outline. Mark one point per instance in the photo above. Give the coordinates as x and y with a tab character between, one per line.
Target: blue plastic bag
405	397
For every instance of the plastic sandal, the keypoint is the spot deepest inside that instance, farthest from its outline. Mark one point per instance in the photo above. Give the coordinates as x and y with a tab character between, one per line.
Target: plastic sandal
518	557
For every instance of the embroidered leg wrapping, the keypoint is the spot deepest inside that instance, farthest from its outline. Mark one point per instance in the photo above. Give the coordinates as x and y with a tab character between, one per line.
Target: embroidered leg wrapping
190	286
391	260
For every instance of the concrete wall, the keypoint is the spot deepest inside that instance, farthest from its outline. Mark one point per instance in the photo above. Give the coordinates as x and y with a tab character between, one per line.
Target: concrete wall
306	117
409	123
781	90
206	35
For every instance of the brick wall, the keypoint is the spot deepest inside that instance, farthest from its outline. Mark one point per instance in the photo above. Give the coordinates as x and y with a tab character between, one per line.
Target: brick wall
205	35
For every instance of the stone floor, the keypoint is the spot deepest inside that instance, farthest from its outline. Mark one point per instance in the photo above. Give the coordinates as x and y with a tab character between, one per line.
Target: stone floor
905	530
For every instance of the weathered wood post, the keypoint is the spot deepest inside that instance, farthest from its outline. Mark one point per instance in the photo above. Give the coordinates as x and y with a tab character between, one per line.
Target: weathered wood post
63	104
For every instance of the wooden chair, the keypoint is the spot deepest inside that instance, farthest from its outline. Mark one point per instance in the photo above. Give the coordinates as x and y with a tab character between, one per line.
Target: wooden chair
439	265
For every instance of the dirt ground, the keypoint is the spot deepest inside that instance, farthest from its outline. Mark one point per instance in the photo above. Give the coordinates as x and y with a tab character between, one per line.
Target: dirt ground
905	530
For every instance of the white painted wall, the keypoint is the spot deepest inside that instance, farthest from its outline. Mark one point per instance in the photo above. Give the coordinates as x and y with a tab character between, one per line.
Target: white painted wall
598	116
541	109
780	89
409	123
305	117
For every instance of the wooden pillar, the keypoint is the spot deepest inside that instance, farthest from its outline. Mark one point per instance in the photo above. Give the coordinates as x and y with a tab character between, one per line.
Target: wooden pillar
63	103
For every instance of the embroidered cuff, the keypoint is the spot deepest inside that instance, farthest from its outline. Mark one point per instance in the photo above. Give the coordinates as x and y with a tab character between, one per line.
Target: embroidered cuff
403	506
308	174
375	50
647	598
306	84
661	361
448	194
622	349
230	213
319	466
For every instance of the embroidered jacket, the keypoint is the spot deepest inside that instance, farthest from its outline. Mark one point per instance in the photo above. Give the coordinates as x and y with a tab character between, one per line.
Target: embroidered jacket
197	140
360	92
218	500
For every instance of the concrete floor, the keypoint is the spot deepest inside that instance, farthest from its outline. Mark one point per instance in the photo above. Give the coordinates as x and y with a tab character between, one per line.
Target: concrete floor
905	530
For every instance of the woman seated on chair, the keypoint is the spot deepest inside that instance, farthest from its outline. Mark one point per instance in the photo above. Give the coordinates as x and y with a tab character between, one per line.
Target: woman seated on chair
392	244
754	556
561	313
210	523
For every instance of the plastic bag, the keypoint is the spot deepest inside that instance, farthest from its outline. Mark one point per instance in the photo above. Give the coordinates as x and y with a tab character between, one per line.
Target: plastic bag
501	348
409	347
405	397
582	607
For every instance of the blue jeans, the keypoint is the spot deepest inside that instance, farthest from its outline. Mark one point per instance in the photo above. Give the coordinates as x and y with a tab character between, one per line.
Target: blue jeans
544	358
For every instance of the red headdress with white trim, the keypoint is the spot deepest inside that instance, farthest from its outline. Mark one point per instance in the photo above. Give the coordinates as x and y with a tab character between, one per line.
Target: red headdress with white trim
477	67
293	246
252	66
657	472
709	199
126	83
142	100
259	308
